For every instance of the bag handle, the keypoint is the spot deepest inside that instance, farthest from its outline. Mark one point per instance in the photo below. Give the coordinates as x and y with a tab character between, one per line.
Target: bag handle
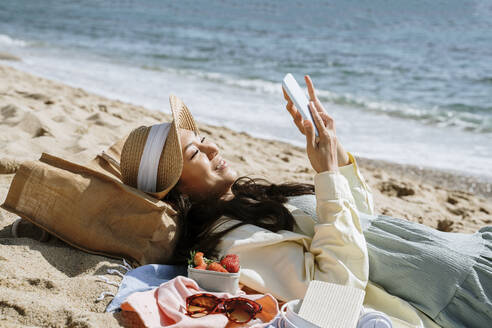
108	158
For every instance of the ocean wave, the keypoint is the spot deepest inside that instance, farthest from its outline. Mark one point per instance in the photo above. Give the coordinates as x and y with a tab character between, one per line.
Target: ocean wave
253	84
8	41
474	119
187	58
464	117
257	85
485	80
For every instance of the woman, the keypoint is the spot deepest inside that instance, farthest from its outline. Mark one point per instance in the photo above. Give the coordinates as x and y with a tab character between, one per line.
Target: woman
289	234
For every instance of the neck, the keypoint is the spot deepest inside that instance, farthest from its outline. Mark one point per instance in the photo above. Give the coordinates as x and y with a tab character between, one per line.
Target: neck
228	195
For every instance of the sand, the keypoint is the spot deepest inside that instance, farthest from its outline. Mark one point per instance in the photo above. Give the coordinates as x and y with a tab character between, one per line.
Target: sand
54	285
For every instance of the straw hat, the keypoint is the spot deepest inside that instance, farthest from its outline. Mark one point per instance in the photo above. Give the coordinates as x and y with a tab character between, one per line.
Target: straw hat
171	159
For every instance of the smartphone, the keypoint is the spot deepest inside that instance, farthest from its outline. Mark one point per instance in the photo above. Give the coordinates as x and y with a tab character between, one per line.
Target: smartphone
299	98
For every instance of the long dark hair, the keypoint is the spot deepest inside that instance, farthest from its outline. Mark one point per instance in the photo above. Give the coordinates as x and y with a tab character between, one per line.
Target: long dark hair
255	201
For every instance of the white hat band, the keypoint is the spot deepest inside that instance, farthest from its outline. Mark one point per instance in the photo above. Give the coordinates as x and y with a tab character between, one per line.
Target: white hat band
149	163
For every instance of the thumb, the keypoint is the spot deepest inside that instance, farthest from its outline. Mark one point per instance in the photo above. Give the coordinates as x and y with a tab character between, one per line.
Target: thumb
309	130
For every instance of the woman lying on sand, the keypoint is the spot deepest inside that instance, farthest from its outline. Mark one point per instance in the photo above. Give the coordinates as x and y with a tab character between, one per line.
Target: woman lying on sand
289	234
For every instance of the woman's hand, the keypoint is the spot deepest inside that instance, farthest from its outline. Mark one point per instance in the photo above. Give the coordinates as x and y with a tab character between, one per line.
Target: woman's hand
322	150
343	158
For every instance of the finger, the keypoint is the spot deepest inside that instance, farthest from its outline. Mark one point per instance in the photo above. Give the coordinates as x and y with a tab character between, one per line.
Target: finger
291	108
310	87
319	106
300	125
312	95
286	96
298	120
327	120
309	132
317	119
296	116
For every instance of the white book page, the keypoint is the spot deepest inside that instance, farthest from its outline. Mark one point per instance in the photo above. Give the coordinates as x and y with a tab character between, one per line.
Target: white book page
332	306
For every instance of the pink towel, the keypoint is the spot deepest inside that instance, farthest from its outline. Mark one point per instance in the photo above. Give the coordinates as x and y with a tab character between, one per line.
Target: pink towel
165	306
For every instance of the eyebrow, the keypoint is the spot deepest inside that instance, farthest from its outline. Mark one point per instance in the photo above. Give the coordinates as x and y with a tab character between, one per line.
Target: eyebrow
188	145
191	143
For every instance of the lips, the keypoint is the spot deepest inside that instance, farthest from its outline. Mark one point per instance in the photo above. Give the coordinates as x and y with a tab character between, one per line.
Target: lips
221	165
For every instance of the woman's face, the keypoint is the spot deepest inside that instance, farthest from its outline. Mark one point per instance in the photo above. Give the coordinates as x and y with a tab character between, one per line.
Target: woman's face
205	173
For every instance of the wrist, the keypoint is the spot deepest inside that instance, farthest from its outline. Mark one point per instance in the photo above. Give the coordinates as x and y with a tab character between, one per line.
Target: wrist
329	167
343	158
344	161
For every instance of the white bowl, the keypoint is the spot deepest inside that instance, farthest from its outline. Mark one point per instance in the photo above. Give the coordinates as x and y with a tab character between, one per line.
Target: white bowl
214	281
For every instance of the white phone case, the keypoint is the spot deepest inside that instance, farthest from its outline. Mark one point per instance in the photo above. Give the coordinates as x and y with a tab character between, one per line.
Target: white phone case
299	98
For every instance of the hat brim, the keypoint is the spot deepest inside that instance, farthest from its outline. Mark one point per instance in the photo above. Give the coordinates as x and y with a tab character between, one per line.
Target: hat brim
182	119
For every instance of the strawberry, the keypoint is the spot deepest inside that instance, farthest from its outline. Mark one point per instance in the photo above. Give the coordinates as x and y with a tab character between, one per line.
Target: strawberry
198	259
215	266
202	266
231	263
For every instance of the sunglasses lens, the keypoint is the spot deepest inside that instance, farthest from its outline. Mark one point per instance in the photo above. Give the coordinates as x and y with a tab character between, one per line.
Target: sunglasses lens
240	311
202	305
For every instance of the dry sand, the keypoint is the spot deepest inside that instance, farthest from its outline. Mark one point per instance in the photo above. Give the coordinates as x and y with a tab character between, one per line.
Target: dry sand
54	285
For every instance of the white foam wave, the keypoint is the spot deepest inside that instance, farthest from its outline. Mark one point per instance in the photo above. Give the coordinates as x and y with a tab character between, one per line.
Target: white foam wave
427	115
8	41
441	117
431	115
257	85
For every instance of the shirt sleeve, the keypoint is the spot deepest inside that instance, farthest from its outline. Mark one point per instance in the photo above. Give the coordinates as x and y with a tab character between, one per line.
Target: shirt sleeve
283	263
360	190
338	244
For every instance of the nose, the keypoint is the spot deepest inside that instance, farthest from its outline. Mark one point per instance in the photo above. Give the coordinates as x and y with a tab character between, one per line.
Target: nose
210	149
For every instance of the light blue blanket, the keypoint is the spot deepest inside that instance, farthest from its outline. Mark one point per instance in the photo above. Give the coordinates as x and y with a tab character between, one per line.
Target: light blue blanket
144	278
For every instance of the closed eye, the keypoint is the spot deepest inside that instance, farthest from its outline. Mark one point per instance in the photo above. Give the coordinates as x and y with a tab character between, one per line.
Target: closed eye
196	152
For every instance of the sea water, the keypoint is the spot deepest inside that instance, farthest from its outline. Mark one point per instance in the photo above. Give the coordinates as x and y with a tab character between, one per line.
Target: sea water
409	82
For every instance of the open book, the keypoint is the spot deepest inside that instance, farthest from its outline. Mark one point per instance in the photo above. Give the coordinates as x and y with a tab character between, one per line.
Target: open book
332	306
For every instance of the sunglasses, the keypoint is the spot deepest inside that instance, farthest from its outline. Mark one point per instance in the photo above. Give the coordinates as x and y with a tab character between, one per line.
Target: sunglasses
237	309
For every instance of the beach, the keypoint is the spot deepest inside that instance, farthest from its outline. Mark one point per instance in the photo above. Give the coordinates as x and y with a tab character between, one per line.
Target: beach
408	85
51	284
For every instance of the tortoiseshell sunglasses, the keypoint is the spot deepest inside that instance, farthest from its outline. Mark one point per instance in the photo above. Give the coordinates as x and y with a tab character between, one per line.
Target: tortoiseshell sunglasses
237	309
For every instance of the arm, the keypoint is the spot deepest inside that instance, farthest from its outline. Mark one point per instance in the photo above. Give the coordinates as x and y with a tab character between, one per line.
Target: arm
338	243
346	162
283	263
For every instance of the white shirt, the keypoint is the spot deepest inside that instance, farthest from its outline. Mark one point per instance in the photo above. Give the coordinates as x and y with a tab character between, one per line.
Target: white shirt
331	249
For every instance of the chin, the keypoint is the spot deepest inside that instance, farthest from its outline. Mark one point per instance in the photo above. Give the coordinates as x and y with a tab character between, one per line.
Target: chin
231	175
229	179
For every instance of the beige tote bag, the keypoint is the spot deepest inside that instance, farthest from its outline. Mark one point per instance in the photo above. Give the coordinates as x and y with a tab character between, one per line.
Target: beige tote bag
91	209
